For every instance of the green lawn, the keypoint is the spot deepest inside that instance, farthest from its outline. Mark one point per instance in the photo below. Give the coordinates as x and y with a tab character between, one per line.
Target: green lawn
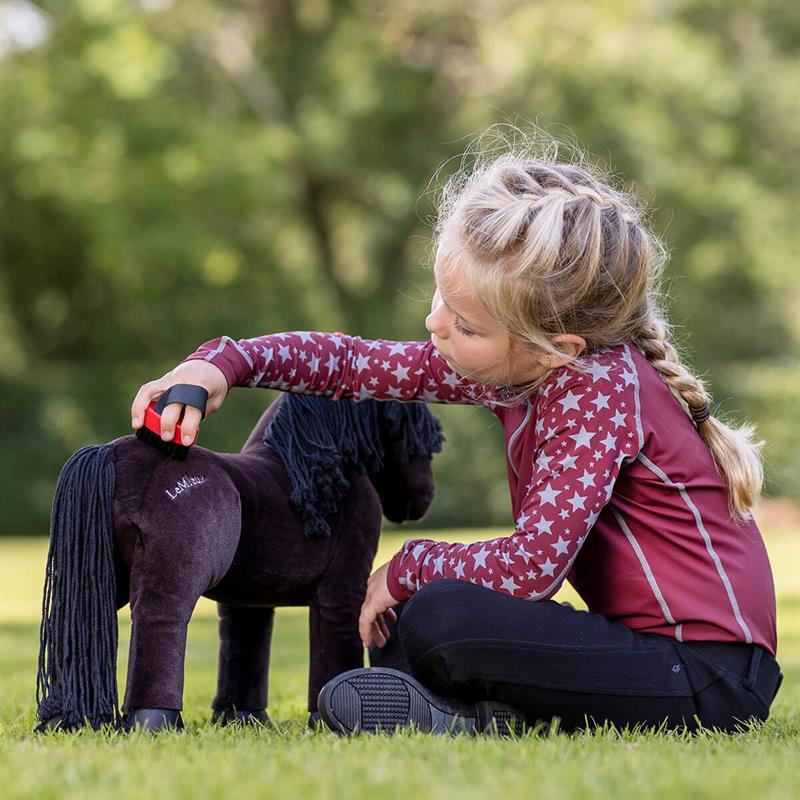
288	761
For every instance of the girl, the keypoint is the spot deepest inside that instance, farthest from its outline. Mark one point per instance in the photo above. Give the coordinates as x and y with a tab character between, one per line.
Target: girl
546	312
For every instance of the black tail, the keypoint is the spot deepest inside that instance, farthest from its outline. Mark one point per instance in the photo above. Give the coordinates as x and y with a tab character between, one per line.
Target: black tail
77	680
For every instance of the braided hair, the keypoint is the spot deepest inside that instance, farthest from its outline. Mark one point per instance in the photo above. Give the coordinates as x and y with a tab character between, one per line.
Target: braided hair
551	247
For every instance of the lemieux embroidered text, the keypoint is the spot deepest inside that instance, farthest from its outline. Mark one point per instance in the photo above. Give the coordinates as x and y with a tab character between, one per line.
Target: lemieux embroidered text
186	482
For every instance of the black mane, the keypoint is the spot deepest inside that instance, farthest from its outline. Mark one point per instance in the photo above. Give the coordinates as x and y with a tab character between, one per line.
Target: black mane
319	439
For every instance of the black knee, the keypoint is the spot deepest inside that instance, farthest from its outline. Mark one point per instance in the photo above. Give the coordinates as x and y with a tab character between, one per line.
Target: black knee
435	615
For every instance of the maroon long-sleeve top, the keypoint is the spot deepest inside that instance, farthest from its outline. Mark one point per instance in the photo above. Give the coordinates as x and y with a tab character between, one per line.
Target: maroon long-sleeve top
612	487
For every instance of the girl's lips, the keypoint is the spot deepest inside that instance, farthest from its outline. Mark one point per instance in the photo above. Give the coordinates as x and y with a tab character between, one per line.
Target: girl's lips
447	360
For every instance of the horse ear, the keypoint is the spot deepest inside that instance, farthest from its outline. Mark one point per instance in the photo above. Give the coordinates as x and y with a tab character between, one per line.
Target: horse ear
417	430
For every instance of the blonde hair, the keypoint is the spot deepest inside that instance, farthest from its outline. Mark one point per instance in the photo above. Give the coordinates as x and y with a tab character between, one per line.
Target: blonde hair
551	247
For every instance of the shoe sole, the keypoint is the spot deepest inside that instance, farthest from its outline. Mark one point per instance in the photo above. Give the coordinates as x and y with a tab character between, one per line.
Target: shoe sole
372	699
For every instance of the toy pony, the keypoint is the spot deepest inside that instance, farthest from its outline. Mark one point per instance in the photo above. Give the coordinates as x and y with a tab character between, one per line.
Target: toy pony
291	520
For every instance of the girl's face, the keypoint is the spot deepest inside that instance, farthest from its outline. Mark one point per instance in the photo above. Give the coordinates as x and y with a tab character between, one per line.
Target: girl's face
473	344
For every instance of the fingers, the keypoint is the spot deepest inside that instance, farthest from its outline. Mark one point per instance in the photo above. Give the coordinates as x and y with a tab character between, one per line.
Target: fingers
171	413
146	394
169	419
384	628
372	625
378	637
392	614
190	424
365	622
200	373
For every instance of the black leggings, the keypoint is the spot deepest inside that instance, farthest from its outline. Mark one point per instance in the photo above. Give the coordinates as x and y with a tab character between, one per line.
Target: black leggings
549	660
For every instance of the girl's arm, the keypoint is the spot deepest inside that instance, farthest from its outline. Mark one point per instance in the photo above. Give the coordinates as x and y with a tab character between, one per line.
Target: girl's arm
587	427
341	366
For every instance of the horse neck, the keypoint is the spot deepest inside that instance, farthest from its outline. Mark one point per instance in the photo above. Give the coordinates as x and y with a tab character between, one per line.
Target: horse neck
256	436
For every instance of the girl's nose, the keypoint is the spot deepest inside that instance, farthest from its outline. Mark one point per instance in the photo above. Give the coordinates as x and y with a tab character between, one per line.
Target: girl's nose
434	324
434	321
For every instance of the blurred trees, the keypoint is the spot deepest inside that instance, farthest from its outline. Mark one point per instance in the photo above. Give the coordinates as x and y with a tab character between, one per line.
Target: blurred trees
172	171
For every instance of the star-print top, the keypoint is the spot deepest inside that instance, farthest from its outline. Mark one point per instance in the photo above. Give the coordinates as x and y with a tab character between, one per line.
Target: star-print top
612	487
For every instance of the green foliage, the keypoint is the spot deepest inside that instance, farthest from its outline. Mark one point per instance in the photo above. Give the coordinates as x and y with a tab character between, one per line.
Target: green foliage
173	171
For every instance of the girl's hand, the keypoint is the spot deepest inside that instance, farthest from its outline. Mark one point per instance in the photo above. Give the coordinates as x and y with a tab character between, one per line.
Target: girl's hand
200	373
377	608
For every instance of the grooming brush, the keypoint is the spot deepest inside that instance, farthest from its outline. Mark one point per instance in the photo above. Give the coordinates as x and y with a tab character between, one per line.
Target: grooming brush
187	393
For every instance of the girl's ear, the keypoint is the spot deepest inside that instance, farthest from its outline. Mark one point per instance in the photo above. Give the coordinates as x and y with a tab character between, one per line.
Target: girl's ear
569	343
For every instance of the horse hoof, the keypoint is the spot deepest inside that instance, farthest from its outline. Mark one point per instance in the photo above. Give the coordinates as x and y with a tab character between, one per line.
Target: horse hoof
228	716
154	719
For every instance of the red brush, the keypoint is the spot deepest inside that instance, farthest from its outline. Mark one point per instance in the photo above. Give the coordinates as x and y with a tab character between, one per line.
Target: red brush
187	393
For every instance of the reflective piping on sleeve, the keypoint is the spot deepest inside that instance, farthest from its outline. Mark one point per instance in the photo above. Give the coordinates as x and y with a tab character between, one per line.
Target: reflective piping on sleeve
706	538
651	579
516	433
638	412
221	346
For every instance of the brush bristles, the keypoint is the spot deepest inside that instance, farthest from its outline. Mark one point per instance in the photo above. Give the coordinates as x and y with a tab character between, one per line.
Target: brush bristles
170	449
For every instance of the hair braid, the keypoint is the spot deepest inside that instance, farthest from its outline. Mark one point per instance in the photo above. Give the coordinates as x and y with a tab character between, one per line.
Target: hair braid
553	247
654	343
736	454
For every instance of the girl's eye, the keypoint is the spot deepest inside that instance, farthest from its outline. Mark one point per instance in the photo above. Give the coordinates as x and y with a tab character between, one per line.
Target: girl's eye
463	330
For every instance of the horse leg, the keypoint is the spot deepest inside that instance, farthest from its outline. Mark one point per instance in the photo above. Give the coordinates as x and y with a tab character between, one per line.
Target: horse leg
335	645
245	635
154	688
186	545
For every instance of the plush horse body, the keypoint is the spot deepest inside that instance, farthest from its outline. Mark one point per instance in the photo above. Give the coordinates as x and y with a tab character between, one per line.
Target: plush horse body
292	520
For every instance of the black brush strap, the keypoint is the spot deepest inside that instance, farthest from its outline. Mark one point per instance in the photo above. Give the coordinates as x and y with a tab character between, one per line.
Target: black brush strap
187	393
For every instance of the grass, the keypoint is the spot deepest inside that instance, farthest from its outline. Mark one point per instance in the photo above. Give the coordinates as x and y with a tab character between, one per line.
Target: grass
289	761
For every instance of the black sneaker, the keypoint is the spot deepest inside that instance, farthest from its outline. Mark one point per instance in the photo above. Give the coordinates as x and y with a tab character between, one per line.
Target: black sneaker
378	698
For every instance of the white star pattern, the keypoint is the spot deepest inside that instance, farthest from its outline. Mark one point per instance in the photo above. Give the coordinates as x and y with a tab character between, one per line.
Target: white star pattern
583	437
581	429
568	462
618	419
570	402
543	526
480	558
419	550
562	379
333	364
450	380
561	546
598	371
400	373
576	501
549	494
547	568
610	442
397	348
509	585
587	479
